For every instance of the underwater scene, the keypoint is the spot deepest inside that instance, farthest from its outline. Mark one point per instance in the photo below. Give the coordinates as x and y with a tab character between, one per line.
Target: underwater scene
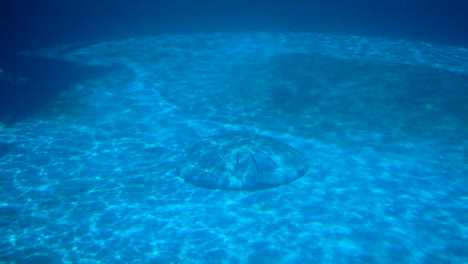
235	147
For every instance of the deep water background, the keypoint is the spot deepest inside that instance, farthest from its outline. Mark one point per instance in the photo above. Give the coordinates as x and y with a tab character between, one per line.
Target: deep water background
27	24
31	25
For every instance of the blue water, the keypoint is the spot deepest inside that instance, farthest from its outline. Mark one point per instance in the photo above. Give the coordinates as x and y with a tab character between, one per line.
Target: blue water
103	131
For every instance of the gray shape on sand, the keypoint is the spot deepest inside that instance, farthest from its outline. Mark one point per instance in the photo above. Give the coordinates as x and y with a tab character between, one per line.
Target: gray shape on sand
241	162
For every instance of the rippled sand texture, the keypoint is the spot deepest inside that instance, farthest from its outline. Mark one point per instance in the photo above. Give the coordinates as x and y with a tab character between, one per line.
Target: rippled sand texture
381	124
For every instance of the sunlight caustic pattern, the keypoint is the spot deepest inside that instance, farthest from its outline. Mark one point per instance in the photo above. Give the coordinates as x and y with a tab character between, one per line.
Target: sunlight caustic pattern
380	125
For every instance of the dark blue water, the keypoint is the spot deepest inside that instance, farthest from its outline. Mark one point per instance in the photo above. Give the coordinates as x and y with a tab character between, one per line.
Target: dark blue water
32	24
234	132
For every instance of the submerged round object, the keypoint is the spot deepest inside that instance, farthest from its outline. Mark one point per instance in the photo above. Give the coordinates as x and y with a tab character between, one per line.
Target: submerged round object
241	162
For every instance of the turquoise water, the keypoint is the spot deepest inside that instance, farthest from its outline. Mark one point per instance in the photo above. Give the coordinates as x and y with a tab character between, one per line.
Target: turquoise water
381	123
